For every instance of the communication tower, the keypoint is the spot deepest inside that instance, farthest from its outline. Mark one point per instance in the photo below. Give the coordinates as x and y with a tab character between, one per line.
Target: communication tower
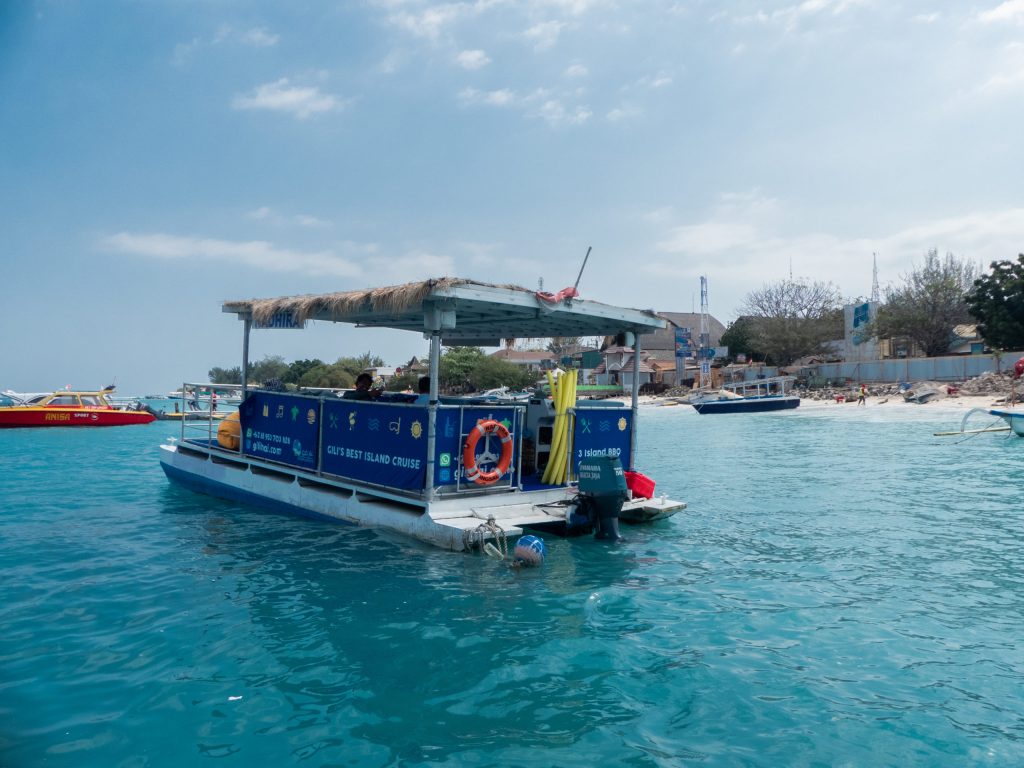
704	352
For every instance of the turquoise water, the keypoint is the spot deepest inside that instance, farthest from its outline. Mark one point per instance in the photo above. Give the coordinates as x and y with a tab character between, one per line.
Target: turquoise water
845	589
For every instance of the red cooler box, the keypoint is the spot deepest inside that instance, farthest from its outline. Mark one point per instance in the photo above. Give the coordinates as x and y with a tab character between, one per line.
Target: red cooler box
641	485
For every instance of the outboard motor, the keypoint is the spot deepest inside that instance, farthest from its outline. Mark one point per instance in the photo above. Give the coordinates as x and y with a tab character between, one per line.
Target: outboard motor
602	490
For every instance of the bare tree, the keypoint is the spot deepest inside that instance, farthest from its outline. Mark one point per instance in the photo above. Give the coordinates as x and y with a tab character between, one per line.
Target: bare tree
929	303
794	318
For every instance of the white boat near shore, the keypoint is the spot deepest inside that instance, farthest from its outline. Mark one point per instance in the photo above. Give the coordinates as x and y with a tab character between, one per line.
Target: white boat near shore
455	472
753	396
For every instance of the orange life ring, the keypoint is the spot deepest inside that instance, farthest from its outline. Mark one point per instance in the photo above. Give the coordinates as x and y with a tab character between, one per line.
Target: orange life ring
473	472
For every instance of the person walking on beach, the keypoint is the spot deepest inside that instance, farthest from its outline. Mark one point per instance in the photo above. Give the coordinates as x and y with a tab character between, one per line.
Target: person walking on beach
863	394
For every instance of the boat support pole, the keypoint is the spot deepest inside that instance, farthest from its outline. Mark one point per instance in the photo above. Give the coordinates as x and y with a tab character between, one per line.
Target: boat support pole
435	368
636	401
245	353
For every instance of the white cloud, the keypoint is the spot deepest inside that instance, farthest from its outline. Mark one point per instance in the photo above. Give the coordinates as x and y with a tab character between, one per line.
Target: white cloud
271	216
281	96
926	18
572	7
619	114
544	35
498	98
475	59
740	244
415	265
541	103
554	113
792	17
1008	71
257	254
660	80
1011	10
576	70
258	37
430	23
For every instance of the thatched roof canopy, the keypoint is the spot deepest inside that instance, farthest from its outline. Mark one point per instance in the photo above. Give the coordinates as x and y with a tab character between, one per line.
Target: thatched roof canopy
465	311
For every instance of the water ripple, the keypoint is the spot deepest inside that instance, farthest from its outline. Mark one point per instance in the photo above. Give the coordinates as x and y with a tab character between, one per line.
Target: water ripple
843	590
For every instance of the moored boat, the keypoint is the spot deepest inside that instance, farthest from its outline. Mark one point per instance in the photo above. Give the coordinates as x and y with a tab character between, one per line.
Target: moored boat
754	396
455	472
1013	416
71	409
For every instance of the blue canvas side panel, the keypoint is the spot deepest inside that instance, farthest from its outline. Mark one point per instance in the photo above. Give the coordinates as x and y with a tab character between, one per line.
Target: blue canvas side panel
376	443
281	428
602	432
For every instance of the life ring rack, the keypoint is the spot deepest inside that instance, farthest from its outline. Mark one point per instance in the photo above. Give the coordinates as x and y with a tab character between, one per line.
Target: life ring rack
469	465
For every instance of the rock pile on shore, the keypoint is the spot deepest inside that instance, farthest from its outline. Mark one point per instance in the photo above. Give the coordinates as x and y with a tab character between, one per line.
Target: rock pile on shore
996	385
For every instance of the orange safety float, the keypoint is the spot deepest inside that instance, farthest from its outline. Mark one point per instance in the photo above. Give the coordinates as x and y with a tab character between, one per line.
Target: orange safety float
473	472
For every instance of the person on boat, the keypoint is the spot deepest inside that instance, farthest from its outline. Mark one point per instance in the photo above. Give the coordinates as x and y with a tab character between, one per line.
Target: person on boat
424	391
363	391
213	401
176	409
193	402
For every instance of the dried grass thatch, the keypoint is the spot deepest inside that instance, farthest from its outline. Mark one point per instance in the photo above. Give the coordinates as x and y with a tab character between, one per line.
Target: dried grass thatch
393	298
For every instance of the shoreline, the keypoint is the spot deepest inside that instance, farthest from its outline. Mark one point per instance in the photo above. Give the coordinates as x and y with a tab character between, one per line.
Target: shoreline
950	403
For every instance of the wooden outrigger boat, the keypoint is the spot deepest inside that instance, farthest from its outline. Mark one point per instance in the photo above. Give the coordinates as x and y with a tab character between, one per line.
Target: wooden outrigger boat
454	472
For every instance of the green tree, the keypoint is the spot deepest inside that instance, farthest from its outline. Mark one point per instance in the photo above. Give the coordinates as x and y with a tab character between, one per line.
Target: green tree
794	318
335	376
739	337
456	366
299	368
931	300
270	367
225	375
489	373
404	381
997	302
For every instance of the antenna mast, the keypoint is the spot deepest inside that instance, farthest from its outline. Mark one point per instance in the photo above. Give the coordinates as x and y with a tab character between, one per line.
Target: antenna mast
705	336
874	278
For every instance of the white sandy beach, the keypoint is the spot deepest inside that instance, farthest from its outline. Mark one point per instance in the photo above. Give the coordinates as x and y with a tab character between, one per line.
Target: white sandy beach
948	404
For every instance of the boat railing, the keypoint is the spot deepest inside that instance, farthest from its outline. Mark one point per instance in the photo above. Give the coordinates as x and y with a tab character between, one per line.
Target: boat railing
376	444
208	413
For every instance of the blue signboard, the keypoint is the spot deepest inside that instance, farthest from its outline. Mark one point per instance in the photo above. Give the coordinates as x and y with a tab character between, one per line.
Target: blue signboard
453	424
602	432
376	443
861	314
682	342
280	428
282	319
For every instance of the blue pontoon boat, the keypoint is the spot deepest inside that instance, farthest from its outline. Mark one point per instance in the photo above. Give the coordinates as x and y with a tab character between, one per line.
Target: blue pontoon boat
454	472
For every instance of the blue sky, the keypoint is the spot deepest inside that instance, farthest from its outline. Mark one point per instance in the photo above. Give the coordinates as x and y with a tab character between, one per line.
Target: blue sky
158	158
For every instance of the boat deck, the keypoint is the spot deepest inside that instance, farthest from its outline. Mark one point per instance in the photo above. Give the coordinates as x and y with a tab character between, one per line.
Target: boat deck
451	521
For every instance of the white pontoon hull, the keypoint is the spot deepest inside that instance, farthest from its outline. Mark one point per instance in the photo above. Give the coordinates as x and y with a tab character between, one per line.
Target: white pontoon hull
445	523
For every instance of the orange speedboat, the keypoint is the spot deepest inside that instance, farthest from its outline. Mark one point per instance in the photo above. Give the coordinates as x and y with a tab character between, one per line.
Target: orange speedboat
71	409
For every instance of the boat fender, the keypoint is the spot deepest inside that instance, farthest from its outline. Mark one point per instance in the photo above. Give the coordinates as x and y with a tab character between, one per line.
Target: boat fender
229	432
529	551
473	472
